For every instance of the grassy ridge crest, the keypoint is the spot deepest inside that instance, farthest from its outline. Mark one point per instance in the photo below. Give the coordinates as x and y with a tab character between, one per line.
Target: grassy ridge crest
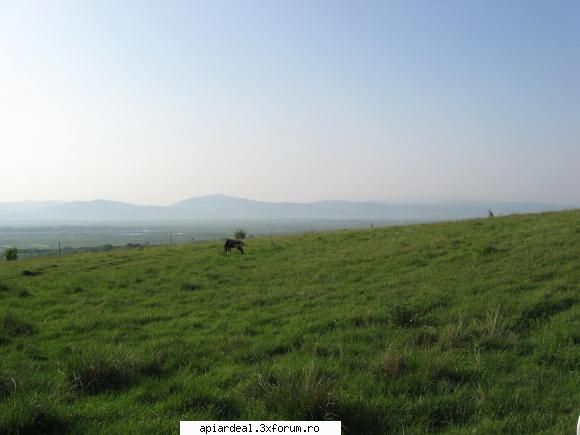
449	328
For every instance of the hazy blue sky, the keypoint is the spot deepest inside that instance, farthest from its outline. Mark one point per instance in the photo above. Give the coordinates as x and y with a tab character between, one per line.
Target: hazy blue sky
152	102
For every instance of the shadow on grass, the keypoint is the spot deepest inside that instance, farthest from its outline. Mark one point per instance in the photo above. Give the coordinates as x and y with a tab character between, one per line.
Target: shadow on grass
541	313
7	386
29	415
31	273
12	325
361	418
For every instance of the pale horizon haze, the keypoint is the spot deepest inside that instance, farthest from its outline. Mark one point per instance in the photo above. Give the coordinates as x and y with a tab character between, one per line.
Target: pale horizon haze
154	102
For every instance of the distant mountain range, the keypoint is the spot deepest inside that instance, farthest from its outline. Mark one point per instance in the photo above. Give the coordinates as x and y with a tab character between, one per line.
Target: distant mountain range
225	207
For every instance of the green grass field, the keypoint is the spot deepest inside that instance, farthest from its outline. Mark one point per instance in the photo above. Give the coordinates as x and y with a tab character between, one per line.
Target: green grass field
463	327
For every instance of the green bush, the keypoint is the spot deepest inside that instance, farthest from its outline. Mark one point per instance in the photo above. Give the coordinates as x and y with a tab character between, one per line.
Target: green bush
11	254
240	234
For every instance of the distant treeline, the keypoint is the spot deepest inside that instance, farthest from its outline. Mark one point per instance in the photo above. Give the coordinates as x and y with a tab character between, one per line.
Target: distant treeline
36	252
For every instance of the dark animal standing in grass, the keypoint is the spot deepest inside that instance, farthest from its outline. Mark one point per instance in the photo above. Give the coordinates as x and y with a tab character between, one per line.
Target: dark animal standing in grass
231	243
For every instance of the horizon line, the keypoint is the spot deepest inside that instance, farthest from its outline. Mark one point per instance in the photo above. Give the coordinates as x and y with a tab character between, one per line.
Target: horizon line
223	195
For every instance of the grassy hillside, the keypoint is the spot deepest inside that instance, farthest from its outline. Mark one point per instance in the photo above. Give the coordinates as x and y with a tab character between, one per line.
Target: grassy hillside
459	327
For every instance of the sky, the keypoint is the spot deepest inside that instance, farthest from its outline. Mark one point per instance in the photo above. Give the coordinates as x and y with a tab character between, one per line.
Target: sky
151	102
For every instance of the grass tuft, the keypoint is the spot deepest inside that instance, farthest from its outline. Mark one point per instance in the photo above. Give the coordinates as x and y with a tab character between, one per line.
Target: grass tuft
31	273
488	250
7	386
492	325
95	371
191	286
32	415
426	338
13	326
405	315
393	365
24	293
454	336
298	394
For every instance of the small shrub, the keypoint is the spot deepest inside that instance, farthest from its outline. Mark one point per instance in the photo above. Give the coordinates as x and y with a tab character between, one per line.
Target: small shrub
11	254
240	234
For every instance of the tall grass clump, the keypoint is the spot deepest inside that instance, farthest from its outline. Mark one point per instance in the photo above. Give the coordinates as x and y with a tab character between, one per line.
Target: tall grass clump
191	286
393	365
425	338
454	335
303	394
12	325
97	370
492	325
493	331
405	315
7	386
31	414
